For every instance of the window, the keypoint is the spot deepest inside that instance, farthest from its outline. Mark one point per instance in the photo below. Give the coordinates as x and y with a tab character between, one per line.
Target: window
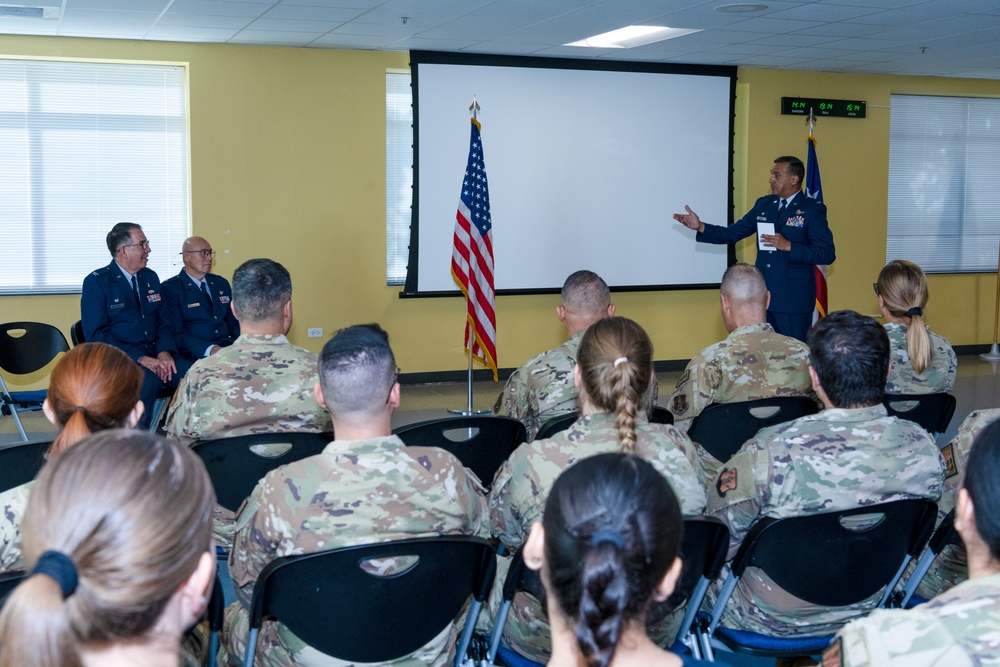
944	166
398	173
86	145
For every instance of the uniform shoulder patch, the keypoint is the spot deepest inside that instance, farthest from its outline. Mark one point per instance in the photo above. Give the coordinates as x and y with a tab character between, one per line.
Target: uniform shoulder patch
948	454
680	404
726	482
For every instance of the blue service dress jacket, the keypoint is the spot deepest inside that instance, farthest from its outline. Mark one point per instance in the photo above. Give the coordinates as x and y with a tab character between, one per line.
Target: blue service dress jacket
109	313
789	275
199	323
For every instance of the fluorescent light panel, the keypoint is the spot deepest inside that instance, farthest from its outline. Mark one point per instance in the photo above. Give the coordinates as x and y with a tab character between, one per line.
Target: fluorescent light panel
631	36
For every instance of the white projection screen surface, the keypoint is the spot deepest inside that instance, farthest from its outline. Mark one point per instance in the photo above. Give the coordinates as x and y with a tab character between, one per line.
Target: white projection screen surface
585	167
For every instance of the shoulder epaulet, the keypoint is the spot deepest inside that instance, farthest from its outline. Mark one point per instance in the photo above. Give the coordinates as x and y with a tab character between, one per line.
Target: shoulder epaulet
101	271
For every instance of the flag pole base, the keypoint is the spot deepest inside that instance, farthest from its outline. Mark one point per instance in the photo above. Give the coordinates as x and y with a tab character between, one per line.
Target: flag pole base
993	354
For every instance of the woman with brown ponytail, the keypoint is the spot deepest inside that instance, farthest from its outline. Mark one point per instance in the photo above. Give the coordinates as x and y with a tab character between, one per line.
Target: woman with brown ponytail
118	540
613	377
607	549
922	362
92	388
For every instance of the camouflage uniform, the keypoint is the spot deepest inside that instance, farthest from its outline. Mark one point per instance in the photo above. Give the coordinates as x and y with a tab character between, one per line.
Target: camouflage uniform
836	459
937	378
753	362
959	628
521	487
355	492
950	567
541	389
259	384
13	502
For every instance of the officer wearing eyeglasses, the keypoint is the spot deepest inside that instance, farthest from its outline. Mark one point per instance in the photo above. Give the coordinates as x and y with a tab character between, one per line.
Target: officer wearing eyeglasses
121	304
198	304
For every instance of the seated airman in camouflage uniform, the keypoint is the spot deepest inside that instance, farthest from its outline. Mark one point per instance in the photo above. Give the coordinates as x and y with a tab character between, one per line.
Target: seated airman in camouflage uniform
542	389
851	454
950	567
614	373
922	361
365	487
960	627
753	362
259	384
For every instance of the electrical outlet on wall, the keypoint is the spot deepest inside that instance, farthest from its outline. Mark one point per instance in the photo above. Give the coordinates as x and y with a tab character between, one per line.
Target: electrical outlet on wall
315	332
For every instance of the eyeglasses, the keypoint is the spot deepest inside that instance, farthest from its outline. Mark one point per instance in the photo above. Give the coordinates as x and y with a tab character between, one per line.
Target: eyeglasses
144	245
875	287
204	253
394	381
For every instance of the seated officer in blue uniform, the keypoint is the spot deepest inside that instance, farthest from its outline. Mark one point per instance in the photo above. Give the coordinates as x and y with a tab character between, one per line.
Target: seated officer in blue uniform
198	304
121	305
801	240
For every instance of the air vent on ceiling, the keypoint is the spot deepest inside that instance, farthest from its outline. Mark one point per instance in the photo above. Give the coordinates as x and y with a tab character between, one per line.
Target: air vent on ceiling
25	12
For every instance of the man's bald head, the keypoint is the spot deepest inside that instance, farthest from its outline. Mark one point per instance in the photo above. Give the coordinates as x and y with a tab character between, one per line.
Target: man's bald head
197	254
744	296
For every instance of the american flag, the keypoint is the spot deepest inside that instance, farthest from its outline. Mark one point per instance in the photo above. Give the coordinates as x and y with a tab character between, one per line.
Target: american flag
472	256
814	189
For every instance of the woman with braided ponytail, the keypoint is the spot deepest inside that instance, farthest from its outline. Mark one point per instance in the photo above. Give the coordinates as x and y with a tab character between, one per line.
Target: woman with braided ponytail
93	387
613	376
922	362
607	549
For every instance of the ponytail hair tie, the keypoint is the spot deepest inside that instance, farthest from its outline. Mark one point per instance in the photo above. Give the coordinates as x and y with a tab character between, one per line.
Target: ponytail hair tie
59	567
620	360
79	408
916	310
608	535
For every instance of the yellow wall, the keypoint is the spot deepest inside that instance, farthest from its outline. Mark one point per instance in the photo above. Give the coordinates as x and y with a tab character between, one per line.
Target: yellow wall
288	162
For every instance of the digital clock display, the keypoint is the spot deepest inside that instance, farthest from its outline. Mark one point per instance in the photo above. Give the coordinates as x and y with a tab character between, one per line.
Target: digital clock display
800	106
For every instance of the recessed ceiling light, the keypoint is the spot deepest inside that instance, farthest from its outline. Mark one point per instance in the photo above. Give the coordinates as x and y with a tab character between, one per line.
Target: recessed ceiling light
633	35
740	8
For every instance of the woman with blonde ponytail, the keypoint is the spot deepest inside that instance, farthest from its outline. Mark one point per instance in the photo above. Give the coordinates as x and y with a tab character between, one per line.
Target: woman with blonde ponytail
93	387
613	377
118	542
922	362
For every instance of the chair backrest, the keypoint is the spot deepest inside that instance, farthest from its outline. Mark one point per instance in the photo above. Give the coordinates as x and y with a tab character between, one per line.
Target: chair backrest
481	443
76	333
722	428
703	550
236	464
8	582
660	415
838	558
933	412
556	425
20	462
26	347
334	605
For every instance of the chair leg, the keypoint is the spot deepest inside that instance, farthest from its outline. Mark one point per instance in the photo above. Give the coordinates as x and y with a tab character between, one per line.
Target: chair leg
158	409
466	638
6	400
251	647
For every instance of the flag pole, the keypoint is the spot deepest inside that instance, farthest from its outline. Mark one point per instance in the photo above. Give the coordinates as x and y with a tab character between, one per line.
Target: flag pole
994	353
468	411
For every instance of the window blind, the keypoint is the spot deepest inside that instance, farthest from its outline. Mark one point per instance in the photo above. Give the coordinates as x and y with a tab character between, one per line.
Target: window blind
398	174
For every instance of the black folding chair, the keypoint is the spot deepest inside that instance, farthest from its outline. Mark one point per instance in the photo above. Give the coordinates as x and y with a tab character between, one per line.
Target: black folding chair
722	428
235	466
945	535
556	425
26	347
76	333
830	560
933	412
337	607
21	461
660	415
481	443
